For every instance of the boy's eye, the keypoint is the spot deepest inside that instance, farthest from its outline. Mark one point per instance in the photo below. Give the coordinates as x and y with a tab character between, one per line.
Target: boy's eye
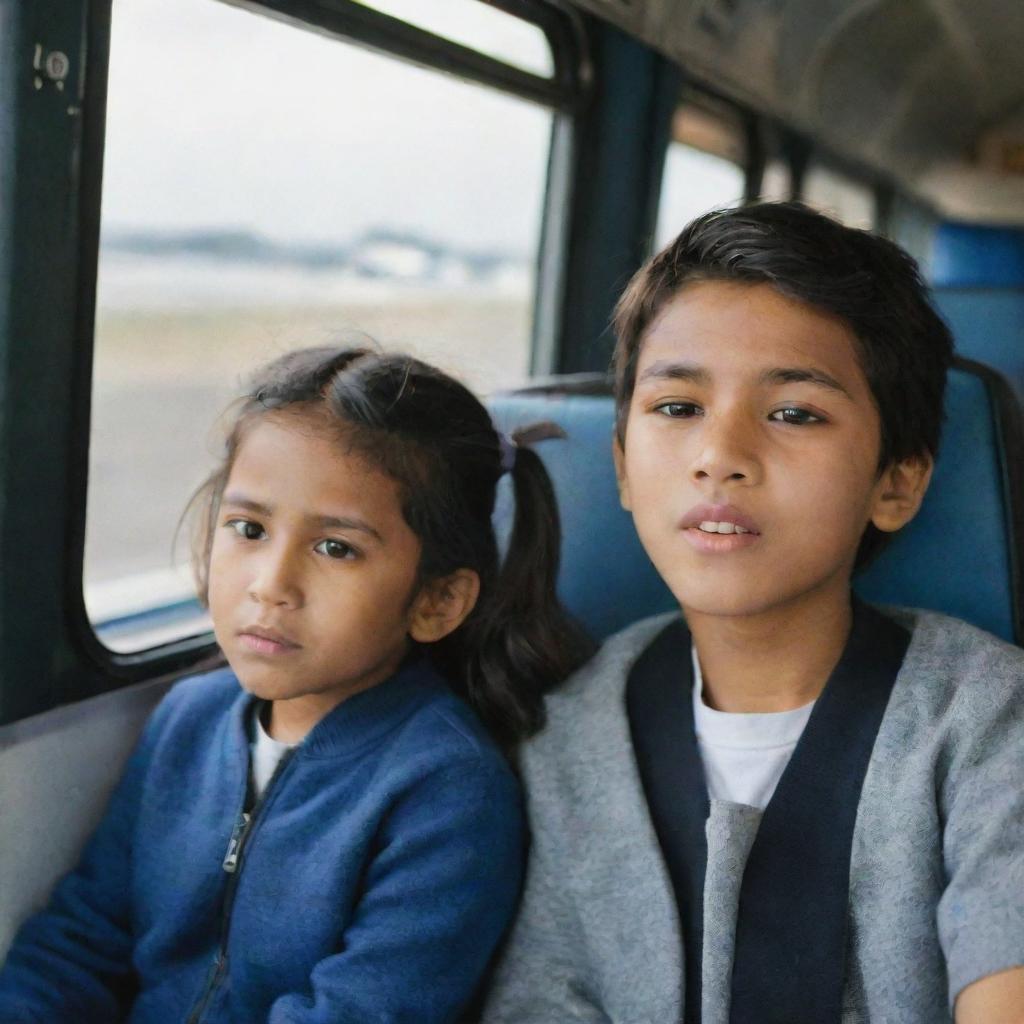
678	410
246	528
335	548
799	417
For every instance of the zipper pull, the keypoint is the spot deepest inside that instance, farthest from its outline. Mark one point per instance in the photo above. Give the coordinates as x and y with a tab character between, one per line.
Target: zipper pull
230	862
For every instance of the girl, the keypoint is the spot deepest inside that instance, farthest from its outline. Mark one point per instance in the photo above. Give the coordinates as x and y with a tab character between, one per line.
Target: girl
338	840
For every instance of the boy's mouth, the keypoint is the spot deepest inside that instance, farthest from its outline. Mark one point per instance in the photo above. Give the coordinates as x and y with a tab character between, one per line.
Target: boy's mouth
718	519
718	529
721	528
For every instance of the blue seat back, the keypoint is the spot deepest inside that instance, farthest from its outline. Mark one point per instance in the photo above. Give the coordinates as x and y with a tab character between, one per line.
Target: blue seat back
977	276
988	324
959	555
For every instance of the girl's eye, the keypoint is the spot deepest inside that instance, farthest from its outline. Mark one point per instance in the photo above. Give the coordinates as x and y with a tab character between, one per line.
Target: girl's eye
246	528
678	410
335	548
799	417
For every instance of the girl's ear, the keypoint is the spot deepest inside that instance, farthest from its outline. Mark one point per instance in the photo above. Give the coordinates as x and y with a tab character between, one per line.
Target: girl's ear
899	492
443	605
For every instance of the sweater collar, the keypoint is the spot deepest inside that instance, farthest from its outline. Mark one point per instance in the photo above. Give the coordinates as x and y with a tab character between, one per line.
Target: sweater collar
790	940
362	720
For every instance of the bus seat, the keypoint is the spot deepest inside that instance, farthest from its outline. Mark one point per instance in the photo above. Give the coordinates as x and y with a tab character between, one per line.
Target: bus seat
977	277
960	555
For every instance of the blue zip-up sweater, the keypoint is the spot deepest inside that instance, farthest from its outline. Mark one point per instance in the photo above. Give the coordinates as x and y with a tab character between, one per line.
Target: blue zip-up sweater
371	882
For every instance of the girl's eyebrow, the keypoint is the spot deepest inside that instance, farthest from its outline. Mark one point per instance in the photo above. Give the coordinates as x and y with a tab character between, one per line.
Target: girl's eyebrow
337	522
665	369
241	501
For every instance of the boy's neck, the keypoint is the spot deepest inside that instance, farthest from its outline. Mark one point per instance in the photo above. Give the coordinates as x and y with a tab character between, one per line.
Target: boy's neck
775	661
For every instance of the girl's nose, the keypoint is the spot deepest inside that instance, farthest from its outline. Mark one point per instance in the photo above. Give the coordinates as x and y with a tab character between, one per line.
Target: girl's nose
275	581
727	452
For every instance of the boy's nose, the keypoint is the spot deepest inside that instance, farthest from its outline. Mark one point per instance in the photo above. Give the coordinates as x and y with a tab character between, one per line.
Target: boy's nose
726	454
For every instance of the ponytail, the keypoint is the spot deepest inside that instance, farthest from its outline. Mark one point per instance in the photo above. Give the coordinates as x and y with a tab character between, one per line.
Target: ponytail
521	642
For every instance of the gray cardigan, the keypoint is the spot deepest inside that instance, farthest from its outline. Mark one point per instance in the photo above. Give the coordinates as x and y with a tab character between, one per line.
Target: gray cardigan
937	863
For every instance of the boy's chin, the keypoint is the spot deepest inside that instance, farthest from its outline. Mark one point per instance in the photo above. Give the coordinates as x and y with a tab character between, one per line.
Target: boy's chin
744	603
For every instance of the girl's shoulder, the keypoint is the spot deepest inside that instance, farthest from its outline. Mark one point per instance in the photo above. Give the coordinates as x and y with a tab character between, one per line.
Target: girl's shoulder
203	690
196	702
444	728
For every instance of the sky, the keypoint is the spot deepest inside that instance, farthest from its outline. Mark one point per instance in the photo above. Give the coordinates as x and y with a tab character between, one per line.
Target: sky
218	118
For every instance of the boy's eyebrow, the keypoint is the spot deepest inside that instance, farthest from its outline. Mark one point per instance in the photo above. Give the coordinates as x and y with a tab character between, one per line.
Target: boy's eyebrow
803	375
666	369
338	522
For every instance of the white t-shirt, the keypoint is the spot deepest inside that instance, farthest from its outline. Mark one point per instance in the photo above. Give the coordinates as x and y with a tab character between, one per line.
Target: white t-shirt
744	755
265	752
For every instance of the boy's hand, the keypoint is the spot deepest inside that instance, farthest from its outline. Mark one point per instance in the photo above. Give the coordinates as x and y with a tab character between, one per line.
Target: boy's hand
997	999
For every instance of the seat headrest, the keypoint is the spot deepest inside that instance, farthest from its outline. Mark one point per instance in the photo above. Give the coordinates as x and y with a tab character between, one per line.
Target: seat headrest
960	555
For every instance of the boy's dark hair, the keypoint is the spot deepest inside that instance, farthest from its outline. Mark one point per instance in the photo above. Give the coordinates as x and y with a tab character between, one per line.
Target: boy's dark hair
904	347
436	440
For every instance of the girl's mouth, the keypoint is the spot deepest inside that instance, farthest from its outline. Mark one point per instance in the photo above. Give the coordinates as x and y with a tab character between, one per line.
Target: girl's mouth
266	642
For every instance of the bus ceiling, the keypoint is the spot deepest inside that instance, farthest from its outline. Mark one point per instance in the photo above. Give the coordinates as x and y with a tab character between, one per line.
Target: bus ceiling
927	92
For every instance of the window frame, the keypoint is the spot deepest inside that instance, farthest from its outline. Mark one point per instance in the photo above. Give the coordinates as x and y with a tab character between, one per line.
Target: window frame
714	106
49	253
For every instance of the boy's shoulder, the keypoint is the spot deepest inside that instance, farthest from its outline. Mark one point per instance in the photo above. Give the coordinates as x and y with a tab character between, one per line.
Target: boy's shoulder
954	669
603	676
937	638
588	709
948	662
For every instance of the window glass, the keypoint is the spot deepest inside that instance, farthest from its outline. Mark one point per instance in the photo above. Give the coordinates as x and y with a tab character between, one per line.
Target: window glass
703	170
478	26
265	188
839	196
776	181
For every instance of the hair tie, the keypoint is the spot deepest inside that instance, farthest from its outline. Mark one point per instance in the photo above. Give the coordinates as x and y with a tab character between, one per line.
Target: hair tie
508	449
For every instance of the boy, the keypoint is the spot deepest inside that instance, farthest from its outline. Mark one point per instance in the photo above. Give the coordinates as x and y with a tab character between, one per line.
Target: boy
779	385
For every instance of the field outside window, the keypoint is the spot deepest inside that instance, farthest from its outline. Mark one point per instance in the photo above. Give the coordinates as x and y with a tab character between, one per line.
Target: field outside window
267	188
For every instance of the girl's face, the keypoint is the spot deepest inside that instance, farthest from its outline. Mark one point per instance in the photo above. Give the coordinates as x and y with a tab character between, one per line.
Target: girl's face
312	570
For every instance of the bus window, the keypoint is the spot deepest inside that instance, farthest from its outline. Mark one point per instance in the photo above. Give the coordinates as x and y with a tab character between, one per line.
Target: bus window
839	196
267	187
703	169
776	182
482	28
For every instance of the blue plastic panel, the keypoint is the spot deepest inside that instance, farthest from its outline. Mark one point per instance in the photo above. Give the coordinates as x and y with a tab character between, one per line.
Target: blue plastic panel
606	578
988	324
973	255
954	557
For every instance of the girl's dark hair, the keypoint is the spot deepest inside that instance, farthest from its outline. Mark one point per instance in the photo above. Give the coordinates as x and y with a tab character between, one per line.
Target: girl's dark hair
904	348
436	440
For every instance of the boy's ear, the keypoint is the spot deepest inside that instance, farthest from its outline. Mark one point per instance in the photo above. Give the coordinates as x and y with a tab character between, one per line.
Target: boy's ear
619	458
442	606
900	491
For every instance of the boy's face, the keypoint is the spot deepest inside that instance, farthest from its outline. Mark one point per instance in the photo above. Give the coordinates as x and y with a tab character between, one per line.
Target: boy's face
751	453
